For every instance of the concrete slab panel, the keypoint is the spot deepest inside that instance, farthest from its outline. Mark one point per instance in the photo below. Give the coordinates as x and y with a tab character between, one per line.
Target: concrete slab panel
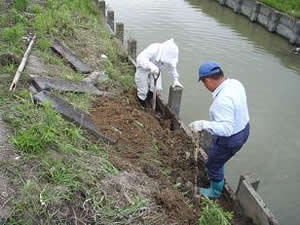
72	114
67	54
253	206
287	21
230	3
249	3
246	10
284	31
51	83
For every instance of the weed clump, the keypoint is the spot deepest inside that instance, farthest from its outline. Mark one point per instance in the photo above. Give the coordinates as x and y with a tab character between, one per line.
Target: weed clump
212	213
39	135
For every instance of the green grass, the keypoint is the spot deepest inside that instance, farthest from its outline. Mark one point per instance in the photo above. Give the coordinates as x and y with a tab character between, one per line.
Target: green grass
212	213
61	166
291	7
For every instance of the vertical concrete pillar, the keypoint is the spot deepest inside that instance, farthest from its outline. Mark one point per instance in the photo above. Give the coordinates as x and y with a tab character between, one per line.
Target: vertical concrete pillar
111	19
120	32
132	48
255	11
102	7
174	101
251	179
296	33
273	21
238	6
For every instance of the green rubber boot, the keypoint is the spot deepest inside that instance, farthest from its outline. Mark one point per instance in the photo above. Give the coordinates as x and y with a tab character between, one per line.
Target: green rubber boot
215	190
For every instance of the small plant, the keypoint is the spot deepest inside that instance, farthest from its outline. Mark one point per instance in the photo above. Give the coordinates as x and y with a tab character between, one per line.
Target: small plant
13	34
21	5
212	214
40	135
43	44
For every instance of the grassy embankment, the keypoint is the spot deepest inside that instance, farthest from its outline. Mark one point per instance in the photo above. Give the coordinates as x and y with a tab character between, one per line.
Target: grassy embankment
291	7
58	178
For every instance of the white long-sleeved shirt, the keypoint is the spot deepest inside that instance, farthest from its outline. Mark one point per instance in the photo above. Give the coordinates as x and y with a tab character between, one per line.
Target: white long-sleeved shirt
151	56
229	111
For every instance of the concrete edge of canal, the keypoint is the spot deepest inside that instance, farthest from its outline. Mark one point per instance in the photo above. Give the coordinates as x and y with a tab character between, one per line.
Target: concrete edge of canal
245	199
270	18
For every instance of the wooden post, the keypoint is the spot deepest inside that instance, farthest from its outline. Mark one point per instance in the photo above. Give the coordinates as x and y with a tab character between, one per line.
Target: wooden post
22	65
111	19
174	101
120	32
102	7
132	48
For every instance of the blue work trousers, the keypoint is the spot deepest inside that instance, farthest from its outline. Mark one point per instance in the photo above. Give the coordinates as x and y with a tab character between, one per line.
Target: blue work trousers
221	150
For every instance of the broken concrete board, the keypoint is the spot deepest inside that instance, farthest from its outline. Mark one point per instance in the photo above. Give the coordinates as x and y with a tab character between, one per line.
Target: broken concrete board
35	66
51	83
96	76
66	53
71	113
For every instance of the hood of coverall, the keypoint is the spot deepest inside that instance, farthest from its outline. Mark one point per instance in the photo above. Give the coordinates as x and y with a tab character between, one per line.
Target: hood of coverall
168	53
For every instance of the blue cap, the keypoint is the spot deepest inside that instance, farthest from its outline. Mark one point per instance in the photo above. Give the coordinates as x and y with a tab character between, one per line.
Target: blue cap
208	69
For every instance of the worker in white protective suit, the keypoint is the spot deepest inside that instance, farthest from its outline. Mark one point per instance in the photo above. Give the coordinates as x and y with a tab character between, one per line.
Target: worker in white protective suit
150	61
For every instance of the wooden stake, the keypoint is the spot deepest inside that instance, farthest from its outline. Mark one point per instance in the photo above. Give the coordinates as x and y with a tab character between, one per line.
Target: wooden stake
22	65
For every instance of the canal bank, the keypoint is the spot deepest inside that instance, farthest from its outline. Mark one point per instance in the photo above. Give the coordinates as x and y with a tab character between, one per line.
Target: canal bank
247	53
270	18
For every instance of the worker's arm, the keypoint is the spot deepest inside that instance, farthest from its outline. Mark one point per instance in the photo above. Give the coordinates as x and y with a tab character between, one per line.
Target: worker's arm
144	58
222	118
175	76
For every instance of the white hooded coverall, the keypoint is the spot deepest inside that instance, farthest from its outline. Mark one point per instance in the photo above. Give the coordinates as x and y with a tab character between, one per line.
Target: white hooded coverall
151	60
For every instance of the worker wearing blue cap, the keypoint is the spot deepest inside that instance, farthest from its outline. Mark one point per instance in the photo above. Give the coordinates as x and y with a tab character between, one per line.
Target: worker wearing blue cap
229	123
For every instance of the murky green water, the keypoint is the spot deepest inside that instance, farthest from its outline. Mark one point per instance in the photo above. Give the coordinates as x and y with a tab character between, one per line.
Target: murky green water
205	31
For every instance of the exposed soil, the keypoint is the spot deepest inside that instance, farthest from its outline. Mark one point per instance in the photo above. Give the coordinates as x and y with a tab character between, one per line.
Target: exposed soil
145	144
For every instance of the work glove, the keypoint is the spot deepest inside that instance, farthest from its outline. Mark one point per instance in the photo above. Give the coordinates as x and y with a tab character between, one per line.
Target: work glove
197	126
176	83
154	69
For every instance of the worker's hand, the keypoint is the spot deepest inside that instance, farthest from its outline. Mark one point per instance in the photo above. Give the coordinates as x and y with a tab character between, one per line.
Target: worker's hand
154	69
197	126
176	83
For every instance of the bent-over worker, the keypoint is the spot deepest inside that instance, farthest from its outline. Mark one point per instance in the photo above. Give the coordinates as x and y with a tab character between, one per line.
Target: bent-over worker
150	61
229	123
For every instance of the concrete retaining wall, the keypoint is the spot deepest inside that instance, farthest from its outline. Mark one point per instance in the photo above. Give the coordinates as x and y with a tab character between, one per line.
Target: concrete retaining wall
275	21
246	200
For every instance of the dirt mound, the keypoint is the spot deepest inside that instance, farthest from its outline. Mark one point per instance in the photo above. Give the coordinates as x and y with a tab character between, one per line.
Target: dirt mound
146	144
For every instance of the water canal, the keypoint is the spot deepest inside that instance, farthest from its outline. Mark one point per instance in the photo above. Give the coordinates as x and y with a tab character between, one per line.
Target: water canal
204	30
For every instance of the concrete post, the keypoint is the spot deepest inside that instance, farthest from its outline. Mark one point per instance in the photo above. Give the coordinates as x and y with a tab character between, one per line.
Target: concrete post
132	48
238	6
174	101
273	21
111	19
102	7
251	179
255	12
120	32
251	203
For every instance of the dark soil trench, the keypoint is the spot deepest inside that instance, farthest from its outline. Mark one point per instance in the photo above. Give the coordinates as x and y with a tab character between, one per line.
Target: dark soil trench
146	144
